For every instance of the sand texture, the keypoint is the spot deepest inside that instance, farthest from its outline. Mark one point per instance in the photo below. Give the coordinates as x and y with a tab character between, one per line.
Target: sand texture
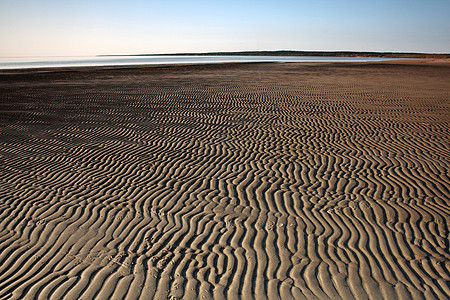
239	181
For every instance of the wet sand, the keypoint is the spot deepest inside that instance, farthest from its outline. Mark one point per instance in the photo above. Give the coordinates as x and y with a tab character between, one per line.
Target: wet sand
291	181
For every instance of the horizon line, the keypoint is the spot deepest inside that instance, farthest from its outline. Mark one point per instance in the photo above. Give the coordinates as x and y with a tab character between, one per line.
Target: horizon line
288	53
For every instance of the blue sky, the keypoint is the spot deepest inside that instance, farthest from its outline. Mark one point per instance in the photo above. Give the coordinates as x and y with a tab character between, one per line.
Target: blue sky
49	27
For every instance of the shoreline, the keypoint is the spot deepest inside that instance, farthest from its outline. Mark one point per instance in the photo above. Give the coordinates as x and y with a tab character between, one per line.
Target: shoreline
393	61
136	60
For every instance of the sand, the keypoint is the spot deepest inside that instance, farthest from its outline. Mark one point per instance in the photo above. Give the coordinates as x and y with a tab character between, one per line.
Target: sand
234	181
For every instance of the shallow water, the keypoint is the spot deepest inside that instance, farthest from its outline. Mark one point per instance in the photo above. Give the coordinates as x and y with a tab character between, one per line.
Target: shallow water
85	61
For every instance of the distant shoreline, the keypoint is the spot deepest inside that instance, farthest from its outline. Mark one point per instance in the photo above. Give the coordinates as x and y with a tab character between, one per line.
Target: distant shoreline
301	53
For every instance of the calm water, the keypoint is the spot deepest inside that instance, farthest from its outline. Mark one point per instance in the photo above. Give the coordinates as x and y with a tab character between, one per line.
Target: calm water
80	61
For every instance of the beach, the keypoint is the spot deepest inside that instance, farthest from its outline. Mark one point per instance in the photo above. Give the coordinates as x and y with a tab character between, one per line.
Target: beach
226	181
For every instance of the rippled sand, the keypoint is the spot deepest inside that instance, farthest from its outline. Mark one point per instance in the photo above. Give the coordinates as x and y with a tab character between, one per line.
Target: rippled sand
291	181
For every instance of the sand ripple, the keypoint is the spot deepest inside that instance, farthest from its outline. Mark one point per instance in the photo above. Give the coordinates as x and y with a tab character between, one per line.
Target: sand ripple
246	181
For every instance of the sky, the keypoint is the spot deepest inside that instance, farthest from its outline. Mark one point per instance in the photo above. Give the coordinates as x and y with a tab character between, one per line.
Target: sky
82	27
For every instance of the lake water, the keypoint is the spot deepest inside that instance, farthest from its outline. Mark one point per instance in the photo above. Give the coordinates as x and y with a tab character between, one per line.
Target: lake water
84	61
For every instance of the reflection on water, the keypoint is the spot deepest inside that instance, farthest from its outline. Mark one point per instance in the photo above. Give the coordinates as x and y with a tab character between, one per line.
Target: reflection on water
79	61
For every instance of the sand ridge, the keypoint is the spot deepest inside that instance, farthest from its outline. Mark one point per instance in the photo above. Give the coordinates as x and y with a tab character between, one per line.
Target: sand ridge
291	181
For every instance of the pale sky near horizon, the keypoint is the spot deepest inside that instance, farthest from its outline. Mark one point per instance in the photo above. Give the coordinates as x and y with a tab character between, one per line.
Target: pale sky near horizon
82	27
